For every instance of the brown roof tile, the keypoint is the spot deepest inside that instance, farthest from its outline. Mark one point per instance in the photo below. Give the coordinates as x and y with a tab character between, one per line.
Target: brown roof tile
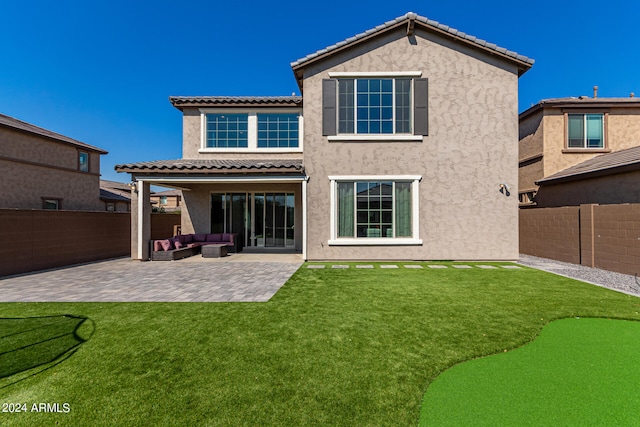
13	123
605	164
207	166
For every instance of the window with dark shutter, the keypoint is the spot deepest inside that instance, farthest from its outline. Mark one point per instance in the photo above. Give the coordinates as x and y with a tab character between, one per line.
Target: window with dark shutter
329	89
421	107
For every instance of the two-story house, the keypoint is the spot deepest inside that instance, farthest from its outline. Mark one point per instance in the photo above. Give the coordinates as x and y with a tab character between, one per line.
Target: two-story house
41	169
579	150
402	146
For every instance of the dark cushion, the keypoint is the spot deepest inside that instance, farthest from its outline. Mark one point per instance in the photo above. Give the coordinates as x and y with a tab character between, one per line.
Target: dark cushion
166	245
178	244
188	238
226	237
200	237
180	238
213	237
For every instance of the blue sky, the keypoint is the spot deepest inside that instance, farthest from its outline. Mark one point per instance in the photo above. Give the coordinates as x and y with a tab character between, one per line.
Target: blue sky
102	71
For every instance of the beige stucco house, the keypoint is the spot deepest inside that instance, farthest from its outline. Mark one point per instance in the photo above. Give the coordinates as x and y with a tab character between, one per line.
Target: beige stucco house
40	169
567	140
402	146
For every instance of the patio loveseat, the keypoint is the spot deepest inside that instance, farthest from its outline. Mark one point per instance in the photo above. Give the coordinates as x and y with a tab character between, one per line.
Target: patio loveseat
186	245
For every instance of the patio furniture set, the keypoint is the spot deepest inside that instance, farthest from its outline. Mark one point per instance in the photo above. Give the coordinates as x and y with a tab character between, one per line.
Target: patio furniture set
213	245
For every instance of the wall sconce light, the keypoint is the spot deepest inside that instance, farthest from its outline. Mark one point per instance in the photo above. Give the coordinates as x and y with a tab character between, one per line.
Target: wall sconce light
133	185
504	189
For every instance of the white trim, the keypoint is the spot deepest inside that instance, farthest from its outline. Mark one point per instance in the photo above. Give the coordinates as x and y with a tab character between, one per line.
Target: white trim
143	199
383	74
415	212
304	219
387	137
252	130
375	178
374	242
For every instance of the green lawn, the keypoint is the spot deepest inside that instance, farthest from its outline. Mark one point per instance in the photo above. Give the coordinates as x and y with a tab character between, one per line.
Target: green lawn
334	347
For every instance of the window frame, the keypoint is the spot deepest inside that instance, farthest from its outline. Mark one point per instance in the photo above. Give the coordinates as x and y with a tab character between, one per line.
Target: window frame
56	200
334	240
87	163
584	148
252	130
410	136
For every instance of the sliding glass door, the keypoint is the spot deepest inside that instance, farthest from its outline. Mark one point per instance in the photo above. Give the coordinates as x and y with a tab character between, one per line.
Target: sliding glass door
260	219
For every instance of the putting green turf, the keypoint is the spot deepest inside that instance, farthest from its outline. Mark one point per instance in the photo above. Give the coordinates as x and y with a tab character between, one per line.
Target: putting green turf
582	372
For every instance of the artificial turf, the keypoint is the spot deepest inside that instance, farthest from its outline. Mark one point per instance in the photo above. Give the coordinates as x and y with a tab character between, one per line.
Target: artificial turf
581	372
333	347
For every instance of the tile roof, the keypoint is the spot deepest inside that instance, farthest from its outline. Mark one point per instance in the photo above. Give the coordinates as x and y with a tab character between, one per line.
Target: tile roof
605	164
581	102
14	123
205	101
213	166
427	23
108	195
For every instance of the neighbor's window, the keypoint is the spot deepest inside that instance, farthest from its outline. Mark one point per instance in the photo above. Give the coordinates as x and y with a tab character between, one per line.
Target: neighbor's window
374	106
83	161
51	204
227	130
374	209
585	131
278	130
163	200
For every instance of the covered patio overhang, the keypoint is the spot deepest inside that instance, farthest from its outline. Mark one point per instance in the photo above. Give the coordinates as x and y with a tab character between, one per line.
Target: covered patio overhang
195	175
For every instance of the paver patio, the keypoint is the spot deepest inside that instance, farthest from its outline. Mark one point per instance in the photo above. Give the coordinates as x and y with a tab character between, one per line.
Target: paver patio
240	279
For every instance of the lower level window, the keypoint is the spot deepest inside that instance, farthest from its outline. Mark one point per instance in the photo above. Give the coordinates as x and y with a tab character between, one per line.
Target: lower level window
375	209
51	204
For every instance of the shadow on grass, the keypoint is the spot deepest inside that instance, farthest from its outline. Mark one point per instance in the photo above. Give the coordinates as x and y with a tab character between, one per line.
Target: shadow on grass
34	344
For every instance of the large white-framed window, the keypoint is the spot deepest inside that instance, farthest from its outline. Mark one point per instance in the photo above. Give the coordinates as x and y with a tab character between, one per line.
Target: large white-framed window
374	210
376	106
257	131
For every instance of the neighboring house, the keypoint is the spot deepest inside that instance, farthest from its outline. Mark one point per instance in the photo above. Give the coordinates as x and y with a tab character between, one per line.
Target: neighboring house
116	196
40	169
557	135
169	200
403	146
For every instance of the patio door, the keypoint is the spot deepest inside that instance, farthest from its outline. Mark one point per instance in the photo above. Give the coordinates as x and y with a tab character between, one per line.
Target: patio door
260	219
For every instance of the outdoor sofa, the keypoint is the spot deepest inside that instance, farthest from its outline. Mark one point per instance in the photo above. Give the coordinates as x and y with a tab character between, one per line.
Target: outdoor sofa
186	245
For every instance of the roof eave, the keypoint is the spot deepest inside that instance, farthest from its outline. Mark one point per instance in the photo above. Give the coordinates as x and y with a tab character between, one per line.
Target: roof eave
614	170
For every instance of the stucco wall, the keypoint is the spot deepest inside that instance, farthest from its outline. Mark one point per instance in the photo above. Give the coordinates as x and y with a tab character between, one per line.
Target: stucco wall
192	142
613	189
33	167
472	147
622	131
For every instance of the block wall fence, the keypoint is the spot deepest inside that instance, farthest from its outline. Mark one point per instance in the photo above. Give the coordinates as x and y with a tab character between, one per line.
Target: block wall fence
38	239
601	236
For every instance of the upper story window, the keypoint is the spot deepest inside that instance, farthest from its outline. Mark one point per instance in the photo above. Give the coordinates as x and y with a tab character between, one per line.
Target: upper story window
83	161
252	131
375	106
278	130
227	130
585	131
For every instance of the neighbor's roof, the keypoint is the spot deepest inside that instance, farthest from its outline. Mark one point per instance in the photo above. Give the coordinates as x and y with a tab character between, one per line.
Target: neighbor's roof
236	101
108	195
411	20
206	166
581	102
19	125
605	164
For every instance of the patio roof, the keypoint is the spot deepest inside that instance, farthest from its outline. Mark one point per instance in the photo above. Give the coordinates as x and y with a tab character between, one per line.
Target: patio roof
217	167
